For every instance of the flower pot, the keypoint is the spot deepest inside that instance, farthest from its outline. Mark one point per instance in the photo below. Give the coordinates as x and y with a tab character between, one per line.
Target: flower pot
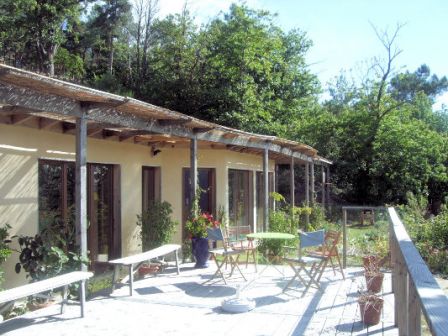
374	281
370	307
146	269
34	305
200	252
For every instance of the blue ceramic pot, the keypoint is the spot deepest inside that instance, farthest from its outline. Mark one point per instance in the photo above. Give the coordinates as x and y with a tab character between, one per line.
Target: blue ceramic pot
200	252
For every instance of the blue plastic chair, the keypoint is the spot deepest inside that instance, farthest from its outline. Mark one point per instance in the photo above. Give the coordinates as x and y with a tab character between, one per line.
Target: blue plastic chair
311	266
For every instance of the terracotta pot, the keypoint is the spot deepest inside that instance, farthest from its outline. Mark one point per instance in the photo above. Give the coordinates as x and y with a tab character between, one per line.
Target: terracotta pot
374	281
32	306
148	269
370	307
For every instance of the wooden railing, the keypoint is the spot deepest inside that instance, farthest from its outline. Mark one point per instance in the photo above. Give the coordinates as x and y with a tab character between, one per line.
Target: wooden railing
415	289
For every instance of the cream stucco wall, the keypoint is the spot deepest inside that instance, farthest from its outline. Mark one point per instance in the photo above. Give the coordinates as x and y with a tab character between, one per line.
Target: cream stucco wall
21	147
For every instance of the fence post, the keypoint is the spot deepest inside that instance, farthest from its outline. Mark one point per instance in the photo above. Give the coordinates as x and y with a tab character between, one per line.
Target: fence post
414	317
344	239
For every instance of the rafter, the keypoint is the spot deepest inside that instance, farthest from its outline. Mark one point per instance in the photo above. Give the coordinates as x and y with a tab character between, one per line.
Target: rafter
31	99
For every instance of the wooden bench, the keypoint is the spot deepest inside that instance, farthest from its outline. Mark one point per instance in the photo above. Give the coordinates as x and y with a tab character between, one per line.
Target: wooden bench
48	284
139	259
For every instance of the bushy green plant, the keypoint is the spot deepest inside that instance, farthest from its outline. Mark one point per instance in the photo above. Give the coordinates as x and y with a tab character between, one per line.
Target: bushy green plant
53	251
279	221
5	250
156	225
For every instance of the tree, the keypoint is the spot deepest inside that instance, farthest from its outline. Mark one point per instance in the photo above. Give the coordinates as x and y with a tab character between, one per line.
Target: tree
405	86
42	24
106	24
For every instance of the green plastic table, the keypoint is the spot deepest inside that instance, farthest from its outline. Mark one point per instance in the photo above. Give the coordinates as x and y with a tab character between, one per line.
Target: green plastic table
270	235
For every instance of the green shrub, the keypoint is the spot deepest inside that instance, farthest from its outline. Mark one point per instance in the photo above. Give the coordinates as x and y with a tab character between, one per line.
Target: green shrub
5	251
156	225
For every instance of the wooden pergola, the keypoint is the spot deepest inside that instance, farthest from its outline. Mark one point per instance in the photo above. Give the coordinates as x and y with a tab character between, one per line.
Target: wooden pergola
33	100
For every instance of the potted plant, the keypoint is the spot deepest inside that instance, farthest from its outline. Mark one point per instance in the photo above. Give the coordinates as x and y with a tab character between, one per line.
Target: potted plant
197	229
156	229
374	277
370	307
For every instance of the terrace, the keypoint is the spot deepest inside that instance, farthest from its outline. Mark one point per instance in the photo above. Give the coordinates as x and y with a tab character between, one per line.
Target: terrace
182	305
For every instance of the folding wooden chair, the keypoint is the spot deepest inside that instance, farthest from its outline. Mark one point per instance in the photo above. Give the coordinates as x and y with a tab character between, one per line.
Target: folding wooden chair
226	252
311	266
248	246
332	238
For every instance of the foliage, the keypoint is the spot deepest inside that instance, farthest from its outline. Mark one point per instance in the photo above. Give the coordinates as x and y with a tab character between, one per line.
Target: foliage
156	225
279	221
197	226
5	250
53	251
429	232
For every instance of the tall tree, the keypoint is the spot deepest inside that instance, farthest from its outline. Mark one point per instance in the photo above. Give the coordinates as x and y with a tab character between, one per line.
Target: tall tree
405	86
42	24
107	22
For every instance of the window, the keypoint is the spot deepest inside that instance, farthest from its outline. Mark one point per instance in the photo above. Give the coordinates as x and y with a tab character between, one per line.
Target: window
56	192
150	185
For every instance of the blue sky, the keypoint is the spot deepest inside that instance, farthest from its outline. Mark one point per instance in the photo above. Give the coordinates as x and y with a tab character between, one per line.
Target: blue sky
342	32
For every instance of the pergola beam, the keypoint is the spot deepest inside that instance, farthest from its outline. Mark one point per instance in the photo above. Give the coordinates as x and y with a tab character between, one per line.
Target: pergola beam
101	113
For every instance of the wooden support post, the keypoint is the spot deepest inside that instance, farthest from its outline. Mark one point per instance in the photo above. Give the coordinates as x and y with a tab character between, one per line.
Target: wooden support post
344	239
81	186
328	188
193	175
394	265
292	186
323	186
307	191
266	189
313	196
401	296
415	312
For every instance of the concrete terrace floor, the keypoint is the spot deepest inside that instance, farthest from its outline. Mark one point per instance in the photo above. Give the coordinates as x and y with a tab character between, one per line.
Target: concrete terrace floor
171	304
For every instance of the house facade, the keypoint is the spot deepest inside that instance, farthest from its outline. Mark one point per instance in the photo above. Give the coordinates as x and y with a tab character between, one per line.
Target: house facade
127	152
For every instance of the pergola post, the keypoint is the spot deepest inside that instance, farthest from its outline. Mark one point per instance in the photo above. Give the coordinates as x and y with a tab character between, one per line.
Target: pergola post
324	186
328	189
307	190
266	189
193	176
312	184
81	196
291	188
81	185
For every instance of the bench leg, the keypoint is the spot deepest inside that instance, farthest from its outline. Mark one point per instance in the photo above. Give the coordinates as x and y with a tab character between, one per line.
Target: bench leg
64	298
82	295
115	277
177	261
131	279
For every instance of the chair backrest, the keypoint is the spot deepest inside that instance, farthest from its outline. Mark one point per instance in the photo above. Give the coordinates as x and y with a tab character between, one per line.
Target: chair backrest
331	241
311	239
217	234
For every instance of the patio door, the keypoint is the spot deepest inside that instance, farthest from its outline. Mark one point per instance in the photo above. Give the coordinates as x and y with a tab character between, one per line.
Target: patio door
104	232
207	201
57	204
240	202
